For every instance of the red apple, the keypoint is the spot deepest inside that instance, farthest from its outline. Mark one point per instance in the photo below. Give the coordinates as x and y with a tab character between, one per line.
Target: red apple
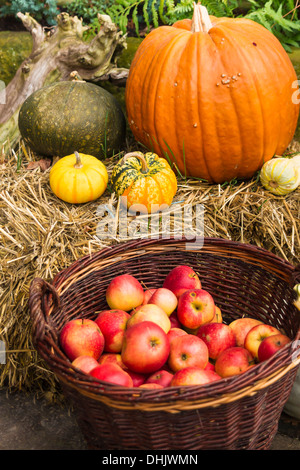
112	323
240	328
137	379
150	312
112	373
233	361
209	366
217	337
114	358
136	309
187	351
174	332
175	323
147	294
195	307
165	299
194	376
256	335
85	363
271	345
217	318
161	377
145	347
124	292
154	386
180	279
81	337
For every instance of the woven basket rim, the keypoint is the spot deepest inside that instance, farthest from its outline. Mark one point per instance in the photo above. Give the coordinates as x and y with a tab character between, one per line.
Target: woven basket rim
213	394
136	246
150	403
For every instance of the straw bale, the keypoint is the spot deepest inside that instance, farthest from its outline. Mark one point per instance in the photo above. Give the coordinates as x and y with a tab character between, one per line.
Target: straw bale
41	235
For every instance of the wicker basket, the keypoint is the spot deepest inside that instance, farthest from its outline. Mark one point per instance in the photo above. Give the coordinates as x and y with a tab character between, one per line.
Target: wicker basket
241	412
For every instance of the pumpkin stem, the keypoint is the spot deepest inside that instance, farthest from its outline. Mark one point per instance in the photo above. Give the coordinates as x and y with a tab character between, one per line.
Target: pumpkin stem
78	163
201	21
140	157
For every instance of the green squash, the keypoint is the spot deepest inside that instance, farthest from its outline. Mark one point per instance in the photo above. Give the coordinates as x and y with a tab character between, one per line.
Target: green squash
66	116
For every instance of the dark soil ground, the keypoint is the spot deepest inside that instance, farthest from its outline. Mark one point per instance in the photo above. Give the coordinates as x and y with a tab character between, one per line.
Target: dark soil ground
27	423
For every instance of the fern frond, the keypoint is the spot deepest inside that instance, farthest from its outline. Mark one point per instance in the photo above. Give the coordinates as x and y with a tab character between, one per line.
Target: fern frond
154	14
146	14
286	30
135	20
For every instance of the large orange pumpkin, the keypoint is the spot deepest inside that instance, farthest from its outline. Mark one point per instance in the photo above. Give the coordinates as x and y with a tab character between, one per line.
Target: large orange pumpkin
213	95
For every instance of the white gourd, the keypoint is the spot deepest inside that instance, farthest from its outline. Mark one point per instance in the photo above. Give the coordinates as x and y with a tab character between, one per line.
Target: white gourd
281	175
297	301
292	406
296	161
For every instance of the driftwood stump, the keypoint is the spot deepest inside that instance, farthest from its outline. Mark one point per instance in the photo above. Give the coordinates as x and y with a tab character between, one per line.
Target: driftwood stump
60	53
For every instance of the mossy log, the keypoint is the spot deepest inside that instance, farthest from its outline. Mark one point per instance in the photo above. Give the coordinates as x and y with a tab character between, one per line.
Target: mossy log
57	54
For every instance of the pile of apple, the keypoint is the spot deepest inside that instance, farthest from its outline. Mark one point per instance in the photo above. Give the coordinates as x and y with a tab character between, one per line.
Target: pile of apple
170	336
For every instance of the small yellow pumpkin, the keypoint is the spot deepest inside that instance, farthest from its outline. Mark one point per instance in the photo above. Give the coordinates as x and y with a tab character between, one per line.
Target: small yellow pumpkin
78	178
281	175
145	183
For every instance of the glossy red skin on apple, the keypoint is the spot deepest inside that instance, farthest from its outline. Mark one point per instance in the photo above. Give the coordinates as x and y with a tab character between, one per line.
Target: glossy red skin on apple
270	345
112	324
136	309
137	379
194	376
147	294
175	323
145	347
154	386
174	332
180	279
233	361
209	366
165	299
85	363
195	308
240	328
187	351
81	337
256	335
217	337
112	373
114	358
161	377
150	312
124	292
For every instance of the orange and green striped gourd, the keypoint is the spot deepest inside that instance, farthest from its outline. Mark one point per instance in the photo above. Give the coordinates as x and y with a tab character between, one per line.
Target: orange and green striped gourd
145	183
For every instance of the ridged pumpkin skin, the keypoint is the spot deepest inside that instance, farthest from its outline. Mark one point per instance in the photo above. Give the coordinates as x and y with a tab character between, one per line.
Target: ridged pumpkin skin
78	179
66	116
147	181
218	103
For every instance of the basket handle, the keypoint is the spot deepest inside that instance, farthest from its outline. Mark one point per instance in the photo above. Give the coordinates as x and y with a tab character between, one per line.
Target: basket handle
39	305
